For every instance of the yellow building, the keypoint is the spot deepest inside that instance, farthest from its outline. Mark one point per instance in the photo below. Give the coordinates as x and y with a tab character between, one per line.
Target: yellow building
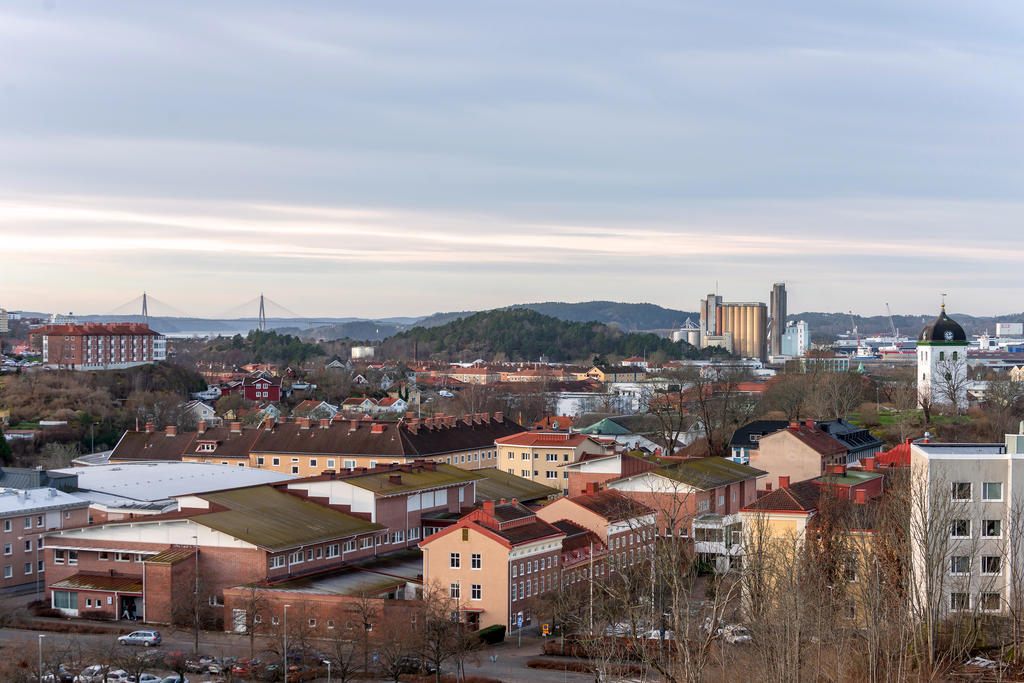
541	456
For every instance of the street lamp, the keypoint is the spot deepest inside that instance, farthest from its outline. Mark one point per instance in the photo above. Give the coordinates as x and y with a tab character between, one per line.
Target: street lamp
41	636
285	664
195	597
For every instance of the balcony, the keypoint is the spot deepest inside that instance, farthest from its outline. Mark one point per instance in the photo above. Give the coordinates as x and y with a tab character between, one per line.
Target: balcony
719	535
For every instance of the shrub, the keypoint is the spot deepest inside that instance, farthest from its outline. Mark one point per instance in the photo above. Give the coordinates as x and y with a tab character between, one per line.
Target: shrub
492	634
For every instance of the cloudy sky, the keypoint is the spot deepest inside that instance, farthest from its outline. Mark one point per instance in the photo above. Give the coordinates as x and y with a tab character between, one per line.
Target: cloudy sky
399	158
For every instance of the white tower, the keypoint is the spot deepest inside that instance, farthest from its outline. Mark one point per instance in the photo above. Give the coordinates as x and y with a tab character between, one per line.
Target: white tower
942	364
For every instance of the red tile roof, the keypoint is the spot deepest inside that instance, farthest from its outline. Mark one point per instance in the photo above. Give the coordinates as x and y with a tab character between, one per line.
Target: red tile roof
802	496
556	439
817	439
896	457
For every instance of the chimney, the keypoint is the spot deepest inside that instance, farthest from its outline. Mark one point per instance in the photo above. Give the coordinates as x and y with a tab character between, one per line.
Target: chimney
395	479
869	464
149	427
768	486
353	425
269	424
236	427
591	488
794	426
202	427
303	423
783	481
809	423
325	422
838	470
172	430
502	501
489	508
515	501
861	496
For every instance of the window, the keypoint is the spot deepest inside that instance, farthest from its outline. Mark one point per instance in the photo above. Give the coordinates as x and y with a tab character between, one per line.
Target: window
959	564
454	560
67	515
8	572
28	522
320	550
475	561
525	474
330	623
367	542
7	525
8	549
475	592
28	546
349	546
330	463
274	620
961	528
961	490
277	561
72	557
296	557
990	564
453	591
990	602
28	567
65	599
41	566
295	469
312	623
991	528
215	601
414	533
350	464
309	555
552	457
398	537
515	595
259	460
515	571
551	475
276	461
332	550
122	557
959	602
992	490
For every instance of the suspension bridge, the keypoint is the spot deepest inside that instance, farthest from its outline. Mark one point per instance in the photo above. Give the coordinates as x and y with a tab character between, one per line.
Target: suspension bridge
259	309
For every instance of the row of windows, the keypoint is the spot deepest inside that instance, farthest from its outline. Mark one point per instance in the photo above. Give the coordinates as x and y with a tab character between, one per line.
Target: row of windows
9	548
548	457
962	491
990	528
961	564
475	591
455	561
522	569
525	474
9	570
27	522
987	602
332	550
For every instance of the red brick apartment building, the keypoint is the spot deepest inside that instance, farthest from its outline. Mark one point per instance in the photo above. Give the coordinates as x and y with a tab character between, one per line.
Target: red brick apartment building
25	514
99	346
260	535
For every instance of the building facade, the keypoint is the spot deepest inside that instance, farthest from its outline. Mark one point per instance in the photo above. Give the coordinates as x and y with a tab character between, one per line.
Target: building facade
942	364
99	346
542	456
25	515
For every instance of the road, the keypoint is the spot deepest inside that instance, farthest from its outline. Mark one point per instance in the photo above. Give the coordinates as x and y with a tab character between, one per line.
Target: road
509	661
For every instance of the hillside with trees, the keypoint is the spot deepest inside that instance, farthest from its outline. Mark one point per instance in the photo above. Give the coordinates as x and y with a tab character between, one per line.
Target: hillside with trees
628	316
521	335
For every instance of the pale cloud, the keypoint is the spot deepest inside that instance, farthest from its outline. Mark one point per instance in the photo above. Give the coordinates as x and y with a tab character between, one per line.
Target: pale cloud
460	154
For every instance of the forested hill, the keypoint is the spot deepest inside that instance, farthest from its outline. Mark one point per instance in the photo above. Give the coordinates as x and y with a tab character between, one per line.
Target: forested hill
628	316
521	334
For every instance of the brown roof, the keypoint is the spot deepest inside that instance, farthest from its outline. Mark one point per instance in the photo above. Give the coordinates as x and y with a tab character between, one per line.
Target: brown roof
100	582
810	435
553	439
155	446
525	533
229	445
611	505
172	556
393	439
95	328
803	496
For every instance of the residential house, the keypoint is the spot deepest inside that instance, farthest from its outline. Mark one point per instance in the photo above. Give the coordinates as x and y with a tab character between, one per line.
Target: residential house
607	375
361	405
392	405
801	451
200	411
315	409
745	440
539	456
554	423
262	386
860	443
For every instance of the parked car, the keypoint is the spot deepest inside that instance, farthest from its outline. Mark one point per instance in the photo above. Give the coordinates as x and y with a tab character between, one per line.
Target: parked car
174	679
200	665
146	638
245	667
118	676
62	675
97	673
150	678
734	635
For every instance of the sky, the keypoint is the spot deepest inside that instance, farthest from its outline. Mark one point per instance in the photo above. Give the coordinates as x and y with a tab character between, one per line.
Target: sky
379	159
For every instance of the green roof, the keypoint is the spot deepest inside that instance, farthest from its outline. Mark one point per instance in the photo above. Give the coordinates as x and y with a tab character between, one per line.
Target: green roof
416	479
709	473
497	485
605	427
269	518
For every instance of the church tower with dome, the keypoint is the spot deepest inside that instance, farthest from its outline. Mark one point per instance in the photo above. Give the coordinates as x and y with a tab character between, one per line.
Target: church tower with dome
942	364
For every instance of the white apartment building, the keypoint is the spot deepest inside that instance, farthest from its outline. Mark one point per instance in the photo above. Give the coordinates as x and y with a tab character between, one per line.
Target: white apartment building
968	533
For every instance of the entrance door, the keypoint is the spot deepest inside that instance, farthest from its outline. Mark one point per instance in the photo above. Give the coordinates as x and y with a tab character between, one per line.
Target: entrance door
127	609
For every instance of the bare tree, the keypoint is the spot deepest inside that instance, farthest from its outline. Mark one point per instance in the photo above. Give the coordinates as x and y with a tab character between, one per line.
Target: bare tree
949	386
714	398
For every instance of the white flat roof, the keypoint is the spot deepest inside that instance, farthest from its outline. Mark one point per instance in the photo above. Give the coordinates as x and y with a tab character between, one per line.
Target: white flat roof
22	501
160	481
